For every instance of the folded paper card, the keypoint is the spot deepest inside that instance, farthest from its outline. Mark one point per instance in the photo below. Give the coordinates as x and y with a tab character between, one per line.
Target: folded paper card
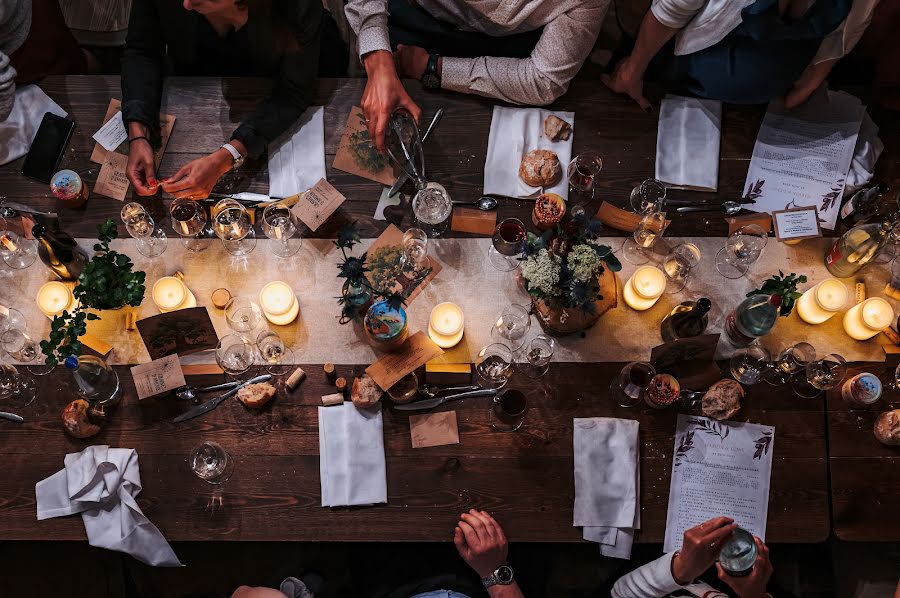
158	376
687	143
433	429
318	203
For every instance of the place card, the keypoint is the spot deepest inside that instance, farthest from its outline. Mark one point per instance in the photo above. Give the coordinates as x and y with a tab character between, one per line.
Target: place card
797	224
619	219
417	350
357	155
112	133
166	124
180	332
317	204
112	180
385	272
434	429
763	219
473	220
158	376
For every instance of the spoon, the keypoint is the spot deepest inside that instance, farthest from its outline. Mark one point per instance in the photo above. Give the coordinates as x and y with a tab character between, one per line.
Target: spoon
485	204
432	390
189	393
730	207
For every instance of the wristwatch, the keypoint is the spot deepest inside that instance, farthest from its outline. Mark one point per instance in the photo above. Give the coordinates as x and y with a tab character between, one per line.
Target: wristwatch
431	79
503	576
235	155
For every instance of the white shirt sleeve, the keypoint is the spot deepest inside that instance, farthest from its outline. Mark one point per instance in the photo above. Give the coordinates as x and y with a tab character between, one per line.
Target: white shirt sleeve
369	20
652	580
676	13
841	41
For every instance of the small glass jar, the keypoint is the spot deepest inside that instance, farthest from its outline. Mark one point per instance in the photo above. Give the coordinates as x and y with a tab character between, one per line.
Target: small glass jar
663	391
386	328
68	187
405	389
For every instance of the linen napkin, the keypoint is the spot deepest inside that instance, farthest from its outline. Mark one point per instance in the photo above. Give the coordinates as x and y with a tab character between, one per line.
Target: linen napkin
514	133
351	456
18	130
866	153
607	482
687	143
297	156
101	484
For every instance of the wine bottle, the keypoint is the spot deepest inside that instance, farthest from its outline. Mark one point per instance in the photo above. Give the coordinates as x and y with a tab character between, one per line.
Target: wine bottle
859	246
59	252
687	319
862	205
754	317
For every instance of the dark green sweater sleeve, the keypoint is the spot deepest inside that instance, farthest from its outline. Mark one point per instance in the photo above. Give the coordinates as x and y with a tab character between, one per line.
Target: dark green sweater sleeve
142	67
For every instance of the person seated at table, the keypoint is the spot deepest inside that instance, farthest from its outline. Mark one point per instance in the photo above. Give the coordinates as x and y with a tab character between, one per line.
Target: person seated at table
278	38
518	51
741	51
674	571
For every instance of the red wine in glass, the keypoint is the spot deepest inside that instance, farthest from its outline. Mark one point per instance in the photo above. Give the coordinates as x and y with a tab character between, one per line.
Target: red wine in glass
509	409
509	238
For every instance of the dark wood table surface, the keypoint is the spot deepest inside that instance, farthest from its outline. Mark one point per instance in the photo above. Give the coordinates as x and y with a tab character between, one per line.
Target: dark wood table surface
525	479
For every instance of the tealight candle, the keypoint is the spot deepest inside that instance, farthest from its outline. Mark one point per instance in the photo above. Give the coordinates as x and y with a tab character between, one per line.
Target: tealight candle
446	325
867	319
822	301
170	293
54	297
644	288
279	303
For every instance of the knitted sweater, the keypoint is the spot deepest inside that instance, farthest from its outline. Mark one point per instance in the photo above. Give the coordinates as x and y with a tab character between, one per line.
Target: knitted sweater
15	22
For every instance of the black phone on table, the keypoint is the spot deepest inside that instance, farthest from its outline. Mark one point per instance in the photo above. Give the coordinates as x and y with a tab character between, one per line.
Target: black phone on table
48	147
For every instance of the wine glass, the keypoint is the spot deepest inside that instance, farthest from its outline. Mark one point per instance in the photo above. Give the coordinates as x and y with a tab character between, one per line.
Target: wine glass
650	229
749	364
15	386
506	244
277	357
493	366
233	225
508	409
628	388
242	314
742	248
511	326
678	265
583	171
211	463
234	354
790	361
151	239
415	252
11	319
649	196
189	221
24	349
534	359
819	375
280	224
18	253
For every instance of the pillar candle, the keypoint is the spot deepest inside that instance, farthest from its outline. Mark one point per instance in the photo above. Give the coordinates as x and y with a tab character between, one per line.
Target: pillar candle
446	325
644	288
822	301
279	303
867	319
54	297
170	293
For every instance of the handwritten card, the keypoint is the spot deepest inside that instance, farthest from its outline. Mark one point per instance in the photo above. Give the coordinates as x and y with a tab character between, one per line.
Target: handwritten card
157	377
433	429
317	204
797	224
112	180
112	133
417	350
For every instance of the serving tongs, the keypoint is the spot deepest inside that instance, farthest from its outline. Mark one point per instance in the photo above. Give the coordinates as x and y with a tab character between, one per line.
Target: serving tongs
404	146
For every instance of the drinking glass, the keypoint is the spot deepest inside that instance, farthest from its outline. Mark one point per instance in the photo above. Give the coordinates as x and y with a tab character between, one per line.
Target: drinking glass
628	389
18	253
151	239
506	244
749	364
583	171
534	359
233	225
648	197
189	221
742	248
15	389
415	252
24	349
277	357
508	409
11	319
234	354
280	224
819	375
511	327
211	463
738	553
678	265
636	250
432	208
242	314
493	366
790	361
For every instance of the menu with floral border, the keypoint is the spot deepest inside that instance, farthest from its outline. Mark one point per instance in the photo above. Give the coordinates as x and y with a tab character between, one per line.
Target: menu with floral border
719	468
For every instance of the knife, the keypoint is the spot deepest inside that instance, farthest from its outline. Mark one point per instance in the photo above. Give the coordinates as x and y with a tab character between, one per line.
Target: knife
247	196
213	403
432	403
20	207
12	417
704	202
404	176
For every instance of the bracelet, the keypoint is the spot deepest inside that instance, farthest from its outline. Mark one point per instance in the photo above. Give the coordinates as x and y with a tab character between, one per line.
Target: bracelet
144	137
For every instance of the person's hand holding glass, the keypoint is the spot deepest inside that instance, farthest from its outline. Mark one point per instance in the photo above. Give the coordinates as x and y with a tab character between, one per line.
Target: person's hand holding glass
650	230
18	253
151	239
233	225
189	221
280	225
742	248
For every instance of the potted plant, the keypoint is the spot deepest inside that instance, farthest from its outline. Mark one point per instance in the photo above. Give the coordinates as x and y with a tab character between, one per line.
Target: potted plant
107	282
569	276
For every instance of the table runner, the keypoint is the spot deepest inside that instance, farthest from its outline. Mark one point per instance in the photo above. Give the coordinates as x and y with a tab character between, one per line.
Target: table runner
467	279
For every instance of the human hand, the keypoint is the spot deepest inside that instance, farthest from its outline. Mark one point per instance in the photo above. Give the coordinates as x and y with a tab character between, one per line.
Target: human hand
141	170
628	78
810	80
753	585
196	179
480	542
383	95
701	549
411	61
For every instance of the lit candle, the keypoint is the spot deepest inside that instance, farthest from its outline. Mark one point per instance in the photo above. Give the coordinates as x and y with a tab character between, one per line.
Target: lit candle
867	319
54	297
170	294
446	325
279	303
822	301
644	288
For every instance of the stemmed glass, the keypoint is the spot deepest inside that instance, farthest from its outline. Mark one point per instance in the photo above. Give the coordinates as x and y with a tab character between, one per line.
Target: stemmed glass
415	252
650	229
583	171
24	349
277	357
749	364
211	463
234	354
678	265
648	197
742	248
151	239
628	388
493	366
534	359
11	319
280	224
14	385
18	253
506	244
512	326
233	225
189	221
790	361
822	374
243	315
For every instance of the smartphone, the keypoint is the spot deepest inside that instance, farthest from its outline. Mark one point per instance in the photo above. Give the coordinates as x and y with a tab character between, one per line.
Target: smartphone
48	147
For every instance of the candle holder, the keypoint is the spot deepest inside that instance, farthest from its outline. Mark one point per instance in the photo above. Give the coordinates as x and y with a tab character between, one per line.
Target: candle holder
279	303
821	302
644	288
54	297
169	293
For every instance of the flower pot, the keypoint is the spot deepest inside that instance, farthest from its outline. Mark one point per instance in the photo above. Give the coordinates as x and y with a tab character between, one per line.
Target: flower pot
560	321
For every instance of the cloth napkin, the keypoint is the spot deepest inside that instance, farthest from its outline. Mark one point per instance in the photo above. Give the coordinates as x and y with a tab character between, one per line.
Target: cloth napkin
687	143
866	153
18	130
607	482
351	456
514	133
101	484
297	157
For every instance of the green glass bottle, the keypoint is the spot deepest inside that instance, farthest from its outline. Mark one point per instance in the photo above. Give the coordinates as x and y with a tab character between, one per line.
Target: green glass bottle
754	317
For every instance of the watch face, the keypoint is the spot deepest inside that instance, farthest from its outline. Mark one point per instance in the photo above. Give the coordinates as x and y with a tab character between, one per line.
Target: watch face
430	81
504	574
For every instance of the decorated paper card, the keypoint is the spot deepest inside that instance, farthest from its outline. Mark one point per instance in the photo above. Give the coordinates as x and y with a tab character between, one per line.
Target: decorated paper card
158	376
180	332
433	429
417	350
357	155
318	203
388	273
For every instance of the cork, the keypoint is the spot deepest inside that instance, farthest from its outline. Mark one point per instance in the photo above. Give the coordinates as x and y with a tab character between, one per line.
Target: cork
332	399
296	378
859	293
220	298
130	320
341	385
330	372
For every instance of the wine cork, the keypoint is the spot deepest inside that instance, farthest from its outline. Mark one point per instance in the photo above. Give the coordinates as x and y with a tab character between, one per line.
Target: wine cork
332	399
892	335
179	275
859	292
220	298
892	292
341	385
130	320
330	372
296	378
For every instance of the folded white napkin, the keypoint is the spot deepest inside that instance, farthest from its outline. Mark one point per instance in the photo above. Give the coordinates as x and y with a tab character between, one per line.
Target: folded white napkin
866	153
351	456
297	157
687	143
514	133
101	484
607	482
18	130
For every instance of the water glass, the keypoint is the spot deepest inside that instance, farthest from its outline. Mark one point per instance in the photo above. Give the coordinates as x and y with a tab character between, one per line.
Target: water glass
189	221
280	224
211	463
242	314
508	410
233	225
679	264
493	366
738	553
276	356
151	239
234	354
432	208
583	171
11	319
16	391
534	359
18	253
628	389
650	229
742	248
790	362
819	375
512	326
648	197
415	252
749	364
507	243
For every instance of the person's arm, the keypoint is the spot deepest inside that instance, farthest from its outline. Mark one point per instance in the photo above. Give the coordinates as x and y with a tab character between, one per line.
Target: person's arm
651	580
481	543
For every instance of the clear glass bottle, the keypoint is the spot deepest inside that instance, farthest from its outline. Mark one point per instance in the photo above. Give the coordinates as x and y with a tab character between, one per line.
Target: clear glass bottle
686	319
863	204
59	252
754	317
96	381
859	246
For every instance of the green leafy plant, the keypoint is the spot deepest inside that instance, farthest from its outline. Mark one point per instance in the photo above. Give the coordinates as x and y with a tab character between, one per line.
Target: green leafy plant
354	270
108	281
783	286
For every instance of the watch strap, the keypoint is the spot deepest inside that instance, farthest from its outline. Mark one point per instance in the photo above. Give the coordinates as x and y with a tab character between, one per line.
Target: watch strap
431	71
235	155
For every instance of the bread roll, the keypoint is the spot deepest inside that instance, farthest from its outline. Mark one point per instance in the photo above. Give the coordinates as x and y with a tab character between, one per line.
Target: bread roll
365	392
256	395
723	399
76	422
540	168
556	128
887	428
